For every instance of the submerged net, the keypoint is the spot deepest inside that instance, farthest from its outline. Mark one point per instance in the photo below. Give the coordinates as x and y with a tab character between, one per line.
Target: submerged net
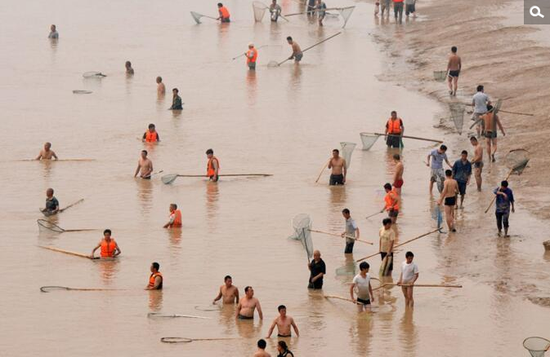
302	231
93	74
346	12
347	150
440	76
197	17
516	160
47	226
368	140
259	10
457	115
536	346
176	340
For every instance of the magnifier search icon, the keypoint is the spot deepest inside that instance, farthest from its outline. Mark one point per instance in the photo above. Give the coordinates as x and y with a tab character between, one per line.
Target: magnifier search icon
535	12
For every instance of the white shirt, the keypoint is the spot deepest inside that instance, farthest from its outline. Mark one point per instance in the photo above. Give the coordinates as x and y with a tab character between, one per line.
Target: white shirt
480	102
408	271
362	285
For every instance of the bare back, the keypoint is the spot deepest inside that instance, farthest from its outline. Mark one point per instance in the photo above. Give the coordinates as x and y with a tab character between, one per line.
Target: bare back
399	169
450	188
478	153
455	63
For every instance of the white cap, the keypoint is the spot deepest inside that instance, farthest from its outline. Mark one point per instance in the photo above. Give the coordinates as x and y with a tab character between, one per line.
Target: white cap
250	44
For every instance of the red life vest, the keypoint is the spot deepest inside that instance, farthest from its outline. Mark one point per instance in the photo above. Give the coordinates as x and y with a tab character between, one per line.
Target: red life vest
251	55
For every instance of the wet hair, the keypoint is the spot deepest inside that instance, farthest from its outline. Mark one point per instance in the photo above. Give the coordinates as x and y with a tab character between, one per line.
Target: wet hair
480	88
454	49
387	186
289	38
443	148
159	78
364	266
336	150
247	288
227	277
144	152
209	152
448	173
489	107
397	157
283	345
156	265
174	205
106	231
464	152
504	183
281	307
262	344
151	126
175	89
386	221
50	189
128	63
48	144
473	138
409	254
346	211
393	112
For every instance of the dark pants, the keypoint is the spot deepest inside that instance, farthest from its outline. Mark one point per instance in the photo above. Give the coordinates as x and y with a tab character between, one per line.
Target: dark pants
502	219
398	10
383	255
336	180
317	284
349	248
393	141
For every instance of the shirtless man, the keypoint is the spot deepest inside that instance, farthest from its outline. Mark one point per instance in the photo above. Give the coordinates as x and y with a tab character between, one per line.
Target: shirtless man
398	175
144	166
228	291
283	323
448	195
338	166
453	68
161	89
296	50
261	349
46	153
247	305
477	161
491	122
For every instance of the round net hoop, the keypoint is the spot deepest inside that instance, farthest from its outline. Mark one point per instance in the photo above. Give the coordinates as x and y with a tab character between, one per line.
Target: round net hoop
347	150
457	115
516	160
47	226
259	10
537	346
196	16
93	74
440	76
368	140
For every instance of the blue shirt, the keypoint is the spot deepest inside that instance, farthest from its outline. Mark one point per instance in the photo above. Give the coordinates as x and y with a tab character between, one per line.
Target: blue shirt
503	203
437	159
461	170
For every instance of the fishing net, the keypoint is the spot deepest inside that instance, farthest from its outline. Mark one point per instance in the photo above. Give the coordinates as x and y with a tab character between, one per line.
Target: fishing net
536	346
197	17
437	216
273	64
259	10
497	106
176	340
368	140
47	226
207	308
153	315
516	160
47	289
302	231
440	76
93	74
346	12
347	150
82	91
348	269
457	115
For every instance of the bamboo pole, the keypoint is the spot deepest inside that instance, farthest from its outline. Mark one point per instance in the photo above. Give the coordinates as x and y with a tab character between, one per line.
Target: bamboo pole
420	285
310	47
495	196
321	173
337	297
71	205
411	137
399	245
68	252
340	236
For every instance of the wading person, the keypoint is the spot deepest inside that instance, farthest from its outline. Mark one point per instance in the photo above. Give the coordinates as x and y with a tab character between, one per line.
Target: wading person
410	8
174	221
224	13
54	35
283	323
260	352
490	123
448	197
275	11
398	10
409	275
337	165
52	204
504	202
212	166
394	131
310	7
361	282
176	100
454	65
297	53
462	171
480	101
391	203
251	57
386	243
228	292
109	248
151	135
283	350
385	7
317	270
398	174
161	88
247	305
477	161
47	153
351	231
321	11
129	69
437	156
155	279
144	167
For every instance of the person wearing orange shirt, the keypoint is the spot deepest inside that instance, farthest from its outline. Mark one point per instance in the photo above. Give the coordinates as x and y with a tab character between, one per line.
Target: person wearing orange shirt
251	57
391	203
156	279
224	13
151	135
109	248
175	217
213	166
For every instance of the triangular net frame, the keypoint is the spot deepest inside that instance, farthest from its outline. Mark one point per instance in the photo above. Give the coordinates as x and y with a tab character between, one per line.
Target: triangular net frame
368	140
537	346
516	160
47	226
497	106
457	115
302	231
440	76
347	150
197	17
259	9
346	12
93	74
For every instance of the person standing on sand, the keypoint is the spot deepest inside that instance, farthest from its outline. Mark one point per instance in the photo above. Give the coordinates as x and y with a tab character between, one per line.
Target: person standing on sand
54	35
351	231
144	167
448	195
504	201
337	165
477	161
454	66
398	10
437	157
228	291
47	153
394	130
391	204
387	241
129	69
490	123
247	305
398	174
410	8
176	100
480	101
297	53
52	204
462	171
365	295
261	349
175	217
161	89
283	323
156	279
317	270
409	275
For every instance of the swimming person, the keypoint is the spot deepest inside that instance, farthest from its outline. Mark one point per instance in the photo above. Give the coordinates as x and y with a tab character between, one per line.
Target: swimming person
504	201
151	135
437	157
228	291
261	349
490	123
337	165
129	69
398	174
47	153
351	231
448	196
156	279
109	248
297	53
251	57
144	167
454	65
175	217
54	35
462	171
409	275
176	100
247	305
161	88
365	295
391	203
52	204
283	323
394	130
224	13
477	161
387	241
212	166
275	11
317	270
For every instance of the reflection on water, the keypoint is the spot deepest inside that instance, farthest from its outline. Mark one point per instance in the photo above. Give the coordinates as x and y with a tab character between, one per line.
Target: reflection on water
361	333
47	166
155	300
175	235
212	197
251	87
227	318
108	269
408	335
145	195
249	329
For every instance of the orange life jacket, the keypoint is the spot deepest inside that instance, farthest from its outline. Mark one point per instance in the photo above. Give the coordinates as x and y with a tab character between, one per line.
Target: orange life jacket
224	12
210	171
177	218
394	126
152	279
251	55
151	137
108	249
392	201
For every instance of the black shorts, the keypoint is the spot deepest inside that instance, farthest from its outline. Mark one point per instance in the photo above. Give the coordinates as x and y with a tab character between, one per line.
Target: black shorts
317	285
393	141
363	302
393	213
336	180
226	19
454	74
349	248
490	134
383	255
241	317
462	187
450	201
